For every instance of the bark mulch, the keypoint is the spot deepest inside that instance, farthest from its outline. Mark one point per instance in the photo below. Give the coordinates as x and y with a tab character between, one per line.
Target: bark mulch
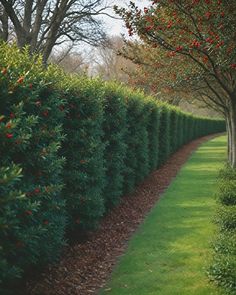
85	267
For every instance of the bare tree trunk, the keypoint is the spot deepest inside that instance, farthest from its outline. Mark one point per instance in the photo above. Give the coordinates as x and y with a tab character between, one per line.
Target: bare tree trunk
229	132
231	129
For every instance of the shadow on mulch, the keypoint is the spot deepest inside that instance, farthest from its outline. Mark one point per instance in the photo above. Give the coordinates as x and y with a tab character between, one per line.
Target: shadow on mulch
85	267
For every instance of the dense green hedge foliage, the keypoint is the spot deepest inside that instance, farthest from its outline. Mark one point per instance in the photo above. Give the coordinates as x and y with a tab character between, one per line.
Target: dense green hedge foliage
136	139
114	131
70	148
32	217
153	133
223	267
164	135
174	131
83	149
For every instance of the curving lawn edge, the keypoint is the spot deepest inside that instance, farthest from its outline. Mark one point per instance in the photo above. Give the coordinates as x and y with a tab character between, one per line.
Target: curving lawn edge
169	252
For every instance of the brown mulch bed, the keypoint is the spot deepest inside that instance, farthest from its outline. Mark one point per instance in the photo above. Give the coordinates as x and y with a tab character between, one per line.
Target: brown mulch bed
85	267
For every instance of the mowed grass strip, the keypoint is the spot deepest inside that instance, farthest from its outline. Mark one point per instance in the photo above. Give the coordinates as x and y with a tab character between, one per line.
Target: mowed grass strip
169	253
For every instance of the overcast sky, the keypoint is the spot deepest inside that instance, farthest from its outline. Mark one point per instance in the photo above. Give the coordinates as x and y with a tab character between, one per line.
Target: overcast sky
115	26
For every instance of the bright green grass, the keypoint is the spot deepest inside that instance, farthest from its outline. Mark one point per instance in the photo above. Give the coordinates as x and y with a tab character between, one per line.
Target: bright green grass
169	252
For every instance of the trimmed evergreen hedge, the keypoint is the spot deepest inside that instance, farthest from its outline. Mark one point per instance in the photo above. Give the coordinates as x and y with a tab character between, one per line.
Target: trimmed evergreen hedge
32	214
83	150
70	148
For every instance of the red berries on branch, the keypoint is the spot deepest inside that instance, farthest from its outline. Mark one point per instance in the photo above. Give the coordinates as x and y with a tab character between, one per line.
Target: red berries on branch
196	44
208	14
149	28
179	48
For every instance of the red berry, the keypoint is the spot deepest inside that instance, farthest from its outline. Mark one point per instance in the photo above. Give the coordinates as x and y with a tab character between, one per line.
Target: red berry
209	40
179	48
45	113
196	43
37	190
4	71
8	125
28	212
149	28
20	80
45	222
208	14
9	135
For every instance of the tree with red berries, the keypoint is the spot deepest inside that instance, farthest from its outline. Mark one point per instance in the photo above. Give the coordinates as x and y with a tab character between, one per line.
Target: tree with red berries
199	36
155	73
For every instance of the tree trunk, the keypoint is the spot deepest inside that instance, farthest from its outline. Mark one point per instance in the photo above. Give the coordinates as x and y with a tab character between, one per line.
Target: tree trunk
231	130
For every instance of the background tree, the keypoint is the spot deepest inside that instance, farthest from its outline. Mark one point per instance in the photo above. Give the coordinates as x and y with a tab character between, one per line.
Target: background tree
201	32
42	24
109	64
71	60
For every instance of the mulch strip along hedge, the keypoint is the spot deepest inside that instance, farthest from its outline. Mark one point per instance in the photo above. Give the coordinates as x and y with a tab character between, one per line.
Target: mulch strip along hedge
85	267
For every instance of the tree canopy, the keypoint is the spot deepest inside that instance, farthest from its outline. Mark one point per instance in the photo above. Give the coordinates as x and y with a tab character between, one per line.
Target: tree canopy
42	24
199	39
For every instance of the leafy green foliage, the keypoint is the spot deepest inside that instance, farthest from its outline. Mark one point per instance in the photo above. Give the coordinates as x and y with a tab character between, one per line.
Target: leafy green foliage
227	187
223	267
114	128
136	160
153	133
32	210
174	132
164	133
83	149
226	218
180	130
223	273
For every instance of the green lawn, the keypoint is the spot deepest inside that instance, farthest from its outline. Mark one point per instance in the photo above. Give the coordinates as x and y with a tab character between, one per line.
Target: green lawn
169	252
